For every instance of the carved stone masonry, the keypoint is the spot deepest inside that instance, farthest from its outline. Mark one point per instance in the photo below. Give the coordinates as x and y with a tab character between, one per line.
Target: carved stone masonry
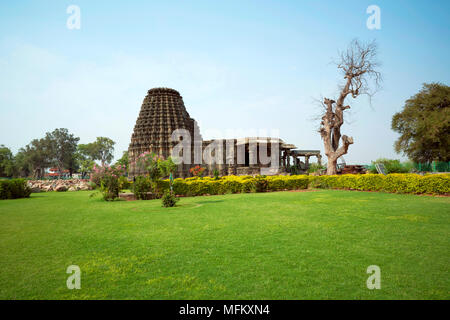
162	112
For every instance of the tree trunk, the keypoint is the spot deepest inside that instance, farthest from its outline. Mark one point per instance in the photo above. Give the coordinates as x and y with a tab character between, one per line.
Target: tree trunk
358	65
331	166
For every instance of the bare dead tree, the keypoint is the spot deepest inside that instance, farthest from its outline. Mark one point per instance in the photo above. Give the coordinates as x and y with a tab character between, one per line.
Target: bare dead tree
359	68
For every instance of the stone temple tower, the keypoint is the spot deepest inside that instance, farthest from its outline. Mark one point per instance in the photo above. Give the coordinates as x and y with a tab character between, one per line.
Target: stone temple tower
162	112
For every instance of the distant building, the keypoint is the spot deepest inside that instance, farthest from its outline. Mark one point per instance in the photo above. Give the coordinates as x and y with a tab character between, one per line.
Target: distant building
164	126
56	174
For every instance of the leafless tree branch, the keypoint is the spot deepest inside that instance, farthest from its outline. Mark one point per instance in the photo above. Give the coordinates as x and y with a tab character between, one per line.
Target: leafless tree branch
359	69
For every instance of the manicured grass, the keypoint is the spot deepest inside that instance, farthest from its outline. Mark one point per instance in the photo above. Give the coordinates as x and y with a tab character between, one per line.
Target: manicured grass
283	245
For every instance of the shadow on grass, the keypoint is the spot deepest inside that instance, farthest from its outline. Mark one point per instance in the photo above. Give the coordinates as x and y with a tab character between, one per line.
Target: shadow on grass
210	201
33	196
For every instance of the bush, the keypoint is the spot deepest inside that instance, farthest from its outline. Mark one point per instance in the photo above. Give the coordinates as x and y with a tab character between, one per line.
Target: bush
124	183
392	166
315	167
197	171
141	186
234	184
398	183
96	178
261	184
14	189
108	177
109	187
92	185
169	199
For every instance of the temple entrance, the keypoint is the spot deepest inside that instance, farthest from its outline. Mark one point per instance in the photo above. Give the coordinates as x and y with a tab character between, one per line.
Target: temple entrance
247	157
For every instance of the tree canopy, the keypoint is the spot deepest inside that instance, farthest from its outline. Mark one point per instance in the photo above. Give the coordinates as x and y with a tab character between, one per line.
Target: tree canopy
34	158
6	162
102	149
60	149
424	125
61	146
124	160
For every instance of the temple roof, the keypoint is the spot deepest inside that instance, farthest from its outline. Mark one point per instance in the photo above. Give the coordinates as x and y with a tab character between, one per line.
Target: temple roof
162	112
305	152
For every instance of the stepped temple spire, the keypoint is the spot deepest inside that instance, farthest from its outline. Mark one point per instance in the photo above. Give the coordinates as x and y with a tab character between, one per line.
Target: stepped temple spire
162	112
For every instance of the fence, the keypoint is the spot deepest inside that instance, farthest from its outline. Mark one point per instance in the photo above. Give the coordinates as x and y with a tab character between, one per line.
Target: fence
435	166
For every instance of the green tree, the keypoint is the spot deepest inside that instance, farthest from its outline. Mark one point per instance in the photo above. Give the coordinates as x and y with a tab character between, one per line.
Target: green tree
167	167
62	147
21	164
101	149
124	160
84	164
34	158
105	149
424	125
6	162
87	151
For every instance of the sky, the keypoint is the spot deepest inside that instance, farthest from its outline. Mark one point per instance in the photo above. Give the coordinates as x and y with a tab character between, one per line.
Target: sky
248	67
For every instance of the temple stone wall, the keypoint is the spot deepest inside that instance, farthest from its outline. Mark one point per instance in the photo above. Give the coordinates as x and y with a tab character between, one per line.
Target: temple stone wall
163	111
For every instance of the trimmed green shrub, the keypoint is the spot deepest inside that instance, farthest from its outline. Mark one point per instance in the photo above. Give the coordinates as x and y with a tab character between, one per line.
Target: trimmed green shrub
109	187
124	183
169	199
234	184
14	189
261	184
141	186
396	182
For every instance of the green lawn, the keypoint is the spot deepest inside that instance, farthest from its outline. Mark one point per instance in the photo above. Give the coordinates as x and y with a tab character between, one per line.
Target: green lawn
283	245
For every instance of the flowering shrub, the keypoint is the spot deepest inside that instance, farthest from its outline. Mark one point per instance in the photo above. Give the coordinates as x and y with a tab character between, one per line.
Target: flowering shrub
197	171
97	174
235	184
155	167
396	182
123	183
261	184
399	183
107	178
149	163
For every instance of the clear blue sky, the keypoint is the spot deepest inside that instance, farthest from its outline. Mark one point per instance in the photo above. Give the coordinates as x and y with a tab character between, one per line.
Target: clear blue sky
239	65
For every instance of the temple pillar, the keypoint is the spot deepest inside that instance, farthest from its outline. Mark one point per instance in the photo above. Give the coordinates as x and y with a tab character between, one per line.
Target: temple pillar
252	155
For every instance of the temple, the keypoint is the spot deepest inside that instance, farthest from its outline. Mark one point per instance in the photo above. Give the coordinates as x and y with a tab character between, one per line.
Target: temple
163	113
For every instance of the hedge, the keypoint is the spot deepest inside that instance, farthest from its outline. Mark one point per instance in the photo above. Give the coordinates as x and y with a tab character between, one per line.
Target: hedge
397	183
14	189
234	184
